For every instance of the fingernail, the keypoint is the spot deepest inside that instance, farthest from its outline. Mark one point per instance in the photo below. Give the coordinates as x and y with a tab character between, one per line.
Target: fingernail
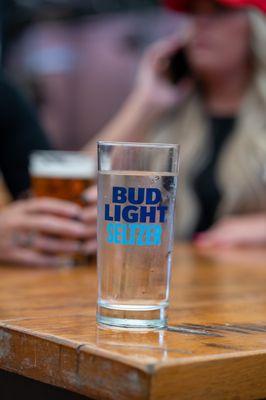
85	198
88	198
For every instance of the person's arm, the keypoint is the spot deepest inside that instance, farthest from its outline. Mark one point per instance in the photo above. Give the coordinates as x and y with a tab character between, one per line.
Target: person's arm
21	133
152	95
132	122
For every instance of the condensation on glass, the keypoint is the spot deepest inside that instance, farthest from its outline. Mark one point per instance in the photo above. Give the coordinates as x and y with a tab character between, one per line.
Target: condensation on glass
137	185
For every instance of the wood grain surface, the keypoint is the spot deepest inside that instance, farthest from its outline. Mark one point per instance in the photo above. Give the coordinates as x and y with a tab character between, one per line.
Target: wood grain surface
214	347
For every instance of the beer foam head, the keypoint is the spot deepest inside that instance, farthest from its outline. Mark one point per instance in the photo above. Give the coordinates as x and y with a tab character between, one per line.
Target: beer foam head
62	164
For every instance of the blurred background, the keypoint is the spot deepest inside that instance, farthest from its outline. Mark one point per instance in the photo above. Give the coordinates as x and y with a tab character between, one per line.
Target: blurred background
76	59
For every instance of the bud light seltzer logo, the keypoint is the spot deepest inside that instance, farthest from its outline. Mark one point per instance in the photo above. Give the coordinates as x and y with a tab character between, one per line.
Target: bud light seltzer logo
135	216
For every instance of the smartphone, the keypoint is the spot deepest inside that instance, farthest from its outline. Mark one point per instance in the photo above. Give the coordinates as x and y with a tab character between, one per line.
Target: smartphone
178	67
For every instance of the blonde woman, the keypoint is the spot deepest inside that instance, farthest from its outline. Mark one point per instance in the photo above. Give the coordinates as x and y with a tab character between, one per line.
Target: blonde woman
217	112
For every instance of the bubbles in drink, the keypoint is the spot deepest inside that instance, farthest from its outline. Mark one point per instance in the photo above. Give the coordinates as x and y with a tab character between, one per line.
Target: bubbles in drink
135	225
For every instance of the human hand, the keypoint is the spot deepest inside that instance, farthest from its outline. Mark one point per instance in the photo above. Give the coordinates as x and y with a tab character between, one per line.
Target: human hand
249	230
152	85
36	231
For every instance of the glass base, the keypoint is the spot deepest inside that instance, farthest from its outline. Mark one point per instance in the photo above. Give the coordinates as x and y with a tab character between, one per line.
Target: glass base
124	316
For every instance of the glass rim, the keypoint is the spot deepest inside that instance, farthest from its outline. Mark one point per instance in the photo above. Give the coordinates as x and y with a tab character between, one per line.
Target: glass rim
61	164
138	144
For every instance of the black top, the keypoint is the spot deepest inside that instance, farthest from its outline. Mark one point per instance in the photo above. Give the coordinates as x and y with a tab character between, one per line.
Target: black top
204	184
20	134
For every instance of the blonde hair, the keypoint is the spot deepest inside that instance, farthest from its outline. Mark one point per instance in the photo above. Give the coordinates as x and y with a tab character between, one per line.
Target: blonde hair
241	168
258	47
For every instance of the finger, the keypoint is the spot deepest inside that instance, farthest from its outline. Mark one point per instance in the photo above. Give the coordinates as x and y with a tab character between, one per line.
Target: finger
90	247
240	231
204	239
29	257
53	206
211	243
215	238
55	245
90	195
55	226
166	47
89	215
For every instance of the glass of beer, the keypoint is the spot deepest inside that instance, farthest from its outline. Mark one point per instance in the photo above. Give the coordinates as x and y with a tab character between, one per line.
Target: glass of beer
62	175
137	186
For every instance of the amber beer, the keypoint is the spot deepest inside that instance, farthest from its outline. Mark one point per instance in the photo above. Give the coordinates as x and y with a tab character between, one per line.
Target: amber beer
61	175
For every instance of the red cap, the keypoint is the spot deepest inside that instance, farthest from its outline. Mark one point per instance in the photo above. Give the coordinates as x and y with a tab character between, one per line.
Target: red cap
183	5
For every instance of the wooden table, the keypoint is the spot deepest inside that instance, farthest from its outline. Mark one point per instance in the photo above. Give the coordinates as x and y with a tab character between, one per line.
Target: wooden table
214	348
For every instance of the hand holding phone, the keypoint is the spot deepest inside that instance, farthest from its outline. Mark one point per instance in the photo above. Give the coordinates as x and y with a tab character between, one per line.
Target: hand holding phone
163	78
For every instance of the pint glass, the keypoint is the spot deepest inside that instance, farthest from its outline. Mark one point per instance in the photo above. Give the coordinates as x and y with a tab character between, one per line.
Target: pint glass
62	175
137	185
